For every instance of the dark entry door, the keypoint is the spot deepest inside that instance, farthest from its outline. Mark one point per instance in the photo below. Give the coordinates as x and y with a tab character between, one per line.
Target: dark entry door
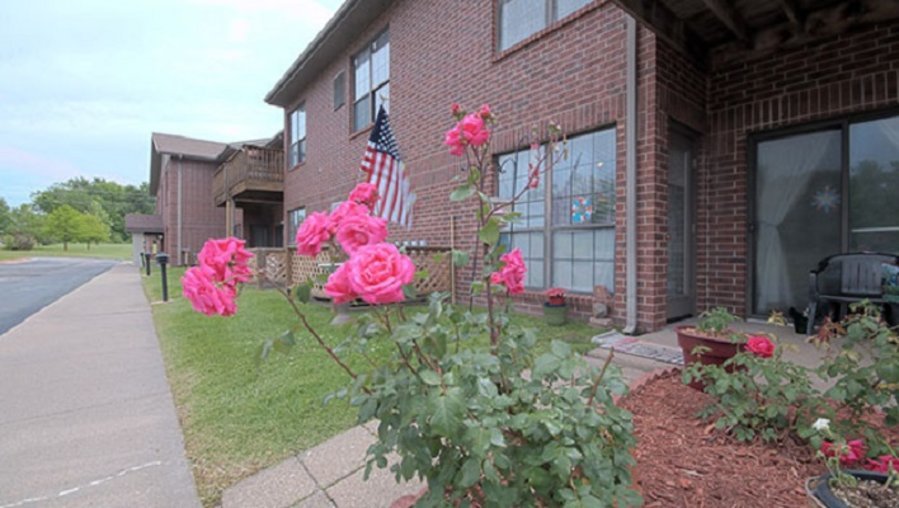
681	292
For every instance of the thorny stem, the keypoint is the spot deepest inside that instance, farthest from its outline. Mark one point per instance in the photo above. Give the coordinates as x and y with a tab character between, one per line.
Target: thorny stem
602	373
319	339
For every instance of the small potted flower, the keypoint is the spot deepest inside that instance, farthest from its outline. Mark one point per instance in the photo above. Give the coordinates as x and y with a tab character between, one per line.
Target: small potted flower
555	311
711	341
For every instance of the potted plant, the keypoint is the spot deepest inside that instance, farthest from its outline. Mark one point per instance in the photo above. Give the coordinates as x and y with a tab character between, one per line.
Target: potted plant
555	311
710	341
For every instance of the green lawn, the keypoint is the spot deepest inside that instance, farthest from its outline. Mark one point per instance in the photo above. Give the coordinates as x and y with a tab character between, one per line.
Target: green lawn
121	251
238	415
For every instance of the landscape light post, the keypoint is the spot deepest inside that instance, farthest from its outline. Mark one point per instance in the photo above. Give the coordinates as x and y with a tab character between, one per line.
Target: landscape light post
148	261
163	259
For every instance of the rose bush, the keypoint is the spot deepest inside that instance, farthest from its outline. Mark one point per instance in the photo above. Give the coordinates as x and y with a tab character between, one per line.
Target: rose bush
489	426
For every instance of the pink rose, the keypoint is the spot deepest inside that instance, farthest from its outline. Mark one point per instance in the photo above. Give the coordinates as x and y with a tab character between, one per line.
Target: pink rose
456	109
356	231
760	346
512	272
851	454
338	286
470	130
343	210
205	294
227	258
484	112
313	232
882	464
377	273
365	194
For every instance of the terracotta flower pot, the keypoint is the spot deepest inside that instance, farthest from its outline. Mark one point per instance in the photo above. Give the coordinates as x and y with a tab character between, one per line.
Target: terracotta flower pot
719	349
820	494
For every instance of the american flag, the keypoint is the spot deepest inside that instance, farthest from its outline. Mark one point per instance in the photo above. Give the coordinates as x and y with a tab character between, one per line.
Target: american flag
386	171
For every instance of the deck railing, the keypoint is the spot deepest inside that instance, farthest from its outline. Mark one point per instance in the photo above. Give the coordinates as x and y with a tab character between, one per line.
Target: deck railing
251	168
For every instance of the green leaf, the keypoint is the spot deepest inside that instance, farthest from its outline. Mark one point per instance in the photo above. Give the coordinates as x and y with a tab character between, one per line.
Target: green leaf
460	258
463	192
470	473
446	412
489	234
560	348
303	292
430	377
546	364
409	292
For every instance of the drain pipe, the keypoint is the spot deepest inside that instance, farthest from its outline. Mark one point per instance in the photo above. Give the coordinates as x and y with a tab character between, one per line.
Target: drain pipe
630	141
180	172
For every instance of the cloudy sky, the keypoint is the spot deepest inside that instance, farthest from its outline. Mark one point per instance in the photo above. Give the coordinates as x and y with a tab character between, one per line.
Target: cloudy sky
84	83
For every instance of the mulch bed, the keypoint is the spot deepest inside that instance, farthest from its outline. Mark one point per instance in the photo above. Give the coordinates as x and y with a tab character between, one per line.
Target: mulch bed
683	461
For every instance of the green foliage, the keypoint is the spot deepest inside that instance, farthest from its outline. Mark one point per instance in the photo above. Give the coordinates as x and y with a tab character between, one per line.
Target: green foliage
92	228
716	321
864	368
755	396
5	216
477	427
65	224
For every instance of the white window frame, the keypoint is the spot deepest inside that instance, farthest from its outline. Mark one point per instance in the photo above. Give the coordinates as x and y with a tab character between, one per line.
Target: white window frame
374	91
296	152
550	16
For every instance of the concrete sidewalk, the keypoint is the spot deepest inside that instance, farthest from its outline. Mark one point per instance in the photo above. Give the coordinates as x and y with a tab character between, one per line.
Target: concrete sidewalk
86	415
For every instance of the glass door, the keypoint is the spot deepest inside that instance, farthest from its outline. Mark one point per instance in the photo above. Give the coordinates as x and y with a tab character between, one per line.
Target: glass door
874	185
680	279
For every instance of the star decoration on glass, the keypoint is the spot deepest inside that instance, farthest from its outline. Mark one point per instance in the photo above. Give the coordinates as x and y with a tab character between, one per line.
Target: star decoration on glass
826	200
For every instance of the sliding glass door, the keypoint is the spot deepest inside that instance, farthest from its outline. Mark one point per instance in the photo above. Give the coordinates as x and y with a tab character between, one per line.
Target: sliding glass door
821	193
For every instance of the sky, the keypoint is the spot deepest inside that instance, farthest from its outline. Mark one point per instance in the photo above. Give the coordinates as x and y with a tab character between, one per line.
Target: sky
84	83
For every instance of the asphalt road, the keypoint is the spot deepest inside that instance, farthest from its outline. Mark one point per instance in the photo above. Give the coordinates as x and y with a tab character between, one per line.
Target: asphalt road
28	287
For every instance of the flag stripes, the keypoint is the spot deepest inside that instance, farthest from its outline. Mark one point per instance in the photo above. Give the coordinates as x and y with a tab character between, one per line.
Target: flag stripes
386	171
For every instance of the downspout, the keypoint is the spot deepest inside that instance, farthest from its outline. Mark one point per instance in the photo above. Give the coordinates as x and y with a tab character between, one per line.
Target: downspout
630	190
180	249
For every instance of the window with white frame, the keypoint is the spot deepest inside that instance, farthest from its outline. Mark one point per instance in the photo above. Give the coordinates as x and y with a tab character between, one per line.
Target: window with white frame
572	246
295	217
519	19
297	151
371	81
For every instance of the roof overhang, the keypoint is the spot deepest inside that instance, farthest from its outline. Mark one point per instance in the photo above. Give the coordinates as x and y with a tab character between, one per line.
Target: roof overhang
351	19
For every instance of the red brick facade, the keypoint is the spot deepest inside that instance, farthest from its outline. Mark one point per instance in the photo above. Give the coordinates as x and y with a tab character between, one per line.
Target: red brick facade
573	73
200	218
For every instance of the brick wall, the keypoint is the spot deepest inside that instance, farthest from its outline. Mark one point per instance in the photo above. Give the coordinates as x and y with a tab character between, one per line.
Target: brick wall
572	73
847	74
200	218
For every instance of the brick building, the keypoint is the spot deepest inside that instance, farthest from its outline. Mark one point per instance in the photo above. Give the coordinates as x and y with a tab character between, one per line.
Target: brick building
206	189
713	150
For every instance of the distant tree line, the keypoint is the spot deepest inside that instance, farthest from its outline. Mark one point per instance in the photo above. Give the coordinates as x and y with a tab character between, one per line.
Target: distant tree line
78	210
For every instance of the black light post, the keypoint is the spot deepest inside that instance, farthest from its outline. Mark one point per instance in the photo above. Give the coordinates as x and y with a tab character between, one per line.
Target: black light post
163	259
148	261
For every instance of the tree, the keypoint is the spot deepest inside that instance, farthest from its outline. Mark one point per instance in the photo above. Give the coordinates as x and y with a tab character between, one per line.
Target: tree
5	216
92	228
64	223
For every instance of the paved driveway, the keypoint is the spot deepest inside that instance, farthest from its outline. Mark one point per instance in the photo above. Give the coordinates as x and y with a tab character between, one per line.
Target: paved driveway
26	288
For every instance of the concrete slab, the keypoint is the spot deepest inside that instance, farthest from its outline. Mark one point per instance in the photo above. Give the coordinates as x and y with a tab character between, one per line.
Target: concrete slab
317	500
279	486
379	491
338	457
88	418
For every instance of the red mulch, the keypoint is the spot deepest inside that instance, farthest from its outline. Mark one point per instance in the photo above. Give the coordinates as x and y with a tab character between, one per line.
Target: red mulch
682	461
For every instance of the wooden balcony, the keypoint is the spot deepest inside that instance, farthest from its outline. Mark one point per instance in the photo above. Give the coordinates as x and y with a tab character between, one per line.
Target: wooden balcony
251	175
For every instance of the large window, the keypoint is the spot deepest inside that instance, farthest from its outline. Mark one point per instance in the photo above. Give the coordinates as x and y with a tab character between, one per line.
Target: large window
821	193
371	81
295	217
518	19
577	237
297	152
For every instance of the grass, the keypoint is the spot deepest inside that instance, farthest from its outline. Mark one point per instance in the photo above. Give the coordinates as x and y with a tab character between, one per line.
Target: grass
239	415
120	251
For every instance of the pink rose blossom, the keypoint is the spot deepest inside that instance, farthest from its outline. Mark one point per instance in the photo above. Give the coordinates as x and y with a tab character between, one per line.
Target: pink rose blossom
512	272
206	295
853	452
377	273
456	109
338	286
882	464
365	194
228	258
343	210
470	130
356	231
313	232
484	112
760	346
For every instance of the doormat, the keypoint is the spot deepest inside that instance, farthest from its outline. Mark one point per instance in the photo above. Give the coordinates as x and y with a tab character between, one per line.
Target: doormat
637	347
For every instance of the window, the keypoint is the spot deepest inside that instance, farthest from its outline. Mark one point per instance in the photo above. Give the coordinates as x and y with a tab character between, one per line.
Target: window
339	90
297	152
578	235
518	19
371	81
295	217
820	193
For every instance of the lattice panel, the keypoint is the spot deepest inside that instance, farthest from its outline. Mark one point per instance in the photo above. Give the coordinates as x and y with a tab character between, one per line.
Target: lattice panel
276	267
429	259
